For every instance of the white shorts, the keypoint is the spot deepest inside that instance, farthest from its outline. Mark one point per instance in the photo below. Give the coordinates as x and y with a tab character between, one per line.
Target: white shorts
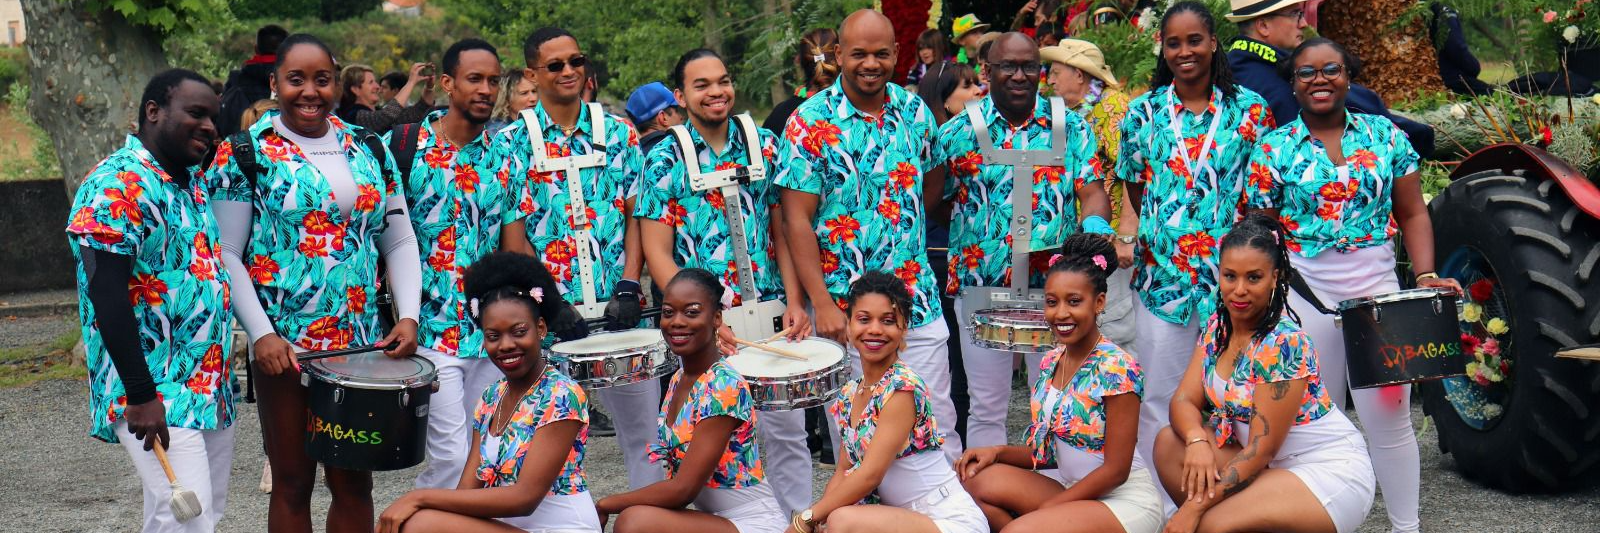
1340	476
752	509
951	509
1135	503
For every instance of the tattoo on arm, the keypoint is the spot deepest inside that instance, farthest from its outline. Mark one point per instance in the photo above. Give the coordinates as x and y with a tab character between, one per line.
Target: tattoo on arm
1279	390
1232	483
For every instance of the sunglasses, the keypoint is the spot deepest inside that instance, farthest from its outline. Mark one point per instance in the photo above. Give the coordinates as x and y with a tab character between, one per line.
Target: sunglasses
557	66
1330	71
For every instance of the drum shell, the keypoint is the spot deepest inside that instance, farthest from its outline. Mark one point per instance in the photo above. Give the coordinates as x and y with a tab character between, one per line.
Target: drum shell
802	391
1006	329
1391	341
367	429
615	368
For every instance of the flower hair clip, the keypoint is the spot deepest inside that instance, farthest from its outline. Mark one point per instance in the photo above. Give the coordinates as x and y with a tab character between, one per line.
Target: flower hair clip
1055	259
819	58
537	293
1275	238
472	305
1100	261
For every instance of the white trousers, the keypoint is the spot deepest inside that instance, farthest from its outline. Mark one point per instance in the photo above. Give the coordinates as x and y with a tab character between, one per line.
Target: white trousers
1119	321
928	356
461	384
988	386
201	460
787	460
1385	412
1163	350
633	409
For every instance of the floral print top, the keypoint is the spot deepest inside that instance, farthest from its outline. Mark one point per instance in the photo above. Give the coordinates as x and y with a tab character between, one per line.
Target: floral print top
128	205
1193	192
314	269
700	236
868	170
550	215
925	434
1285	354
1324	207
1104	109
720	391
980	220
459	199
1079	418
555	397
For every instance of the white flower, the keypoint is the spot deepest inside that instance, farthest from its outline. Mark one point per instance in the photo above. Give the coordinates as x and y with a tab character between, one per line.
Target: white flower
1147	19
1458	111
1155	49
1570	34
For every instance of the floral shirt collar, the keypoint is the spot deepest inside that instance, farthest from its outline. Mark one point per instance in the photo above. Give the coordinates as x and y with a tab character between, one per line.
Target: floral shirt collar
1078	417
855	436
554	398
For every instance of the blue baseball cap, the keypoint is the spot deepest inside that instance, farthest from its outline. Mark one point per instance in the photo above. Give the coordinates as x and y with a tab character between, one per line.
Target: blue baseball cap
649	100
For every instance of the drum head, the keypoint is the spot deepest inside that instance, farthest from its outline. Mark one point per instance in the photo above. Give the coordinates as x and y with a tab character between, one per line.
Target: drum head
601	343
756	362
372	370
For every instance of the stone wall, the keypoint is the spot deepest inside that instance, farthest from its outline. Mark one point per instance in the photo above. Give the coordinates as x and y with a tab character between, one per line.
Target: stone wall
33	243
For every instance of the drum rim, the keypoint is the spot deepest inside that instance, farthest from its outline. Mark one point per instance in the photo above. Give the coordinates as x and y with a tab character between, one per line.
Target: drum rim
985	317
1421	293
430	373
659	343
1005	347
844	361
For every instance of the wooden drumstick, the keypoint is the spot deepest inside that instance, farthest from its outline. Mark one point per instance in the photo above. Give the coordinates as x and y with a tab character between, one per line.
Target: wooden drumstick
772	349
776	336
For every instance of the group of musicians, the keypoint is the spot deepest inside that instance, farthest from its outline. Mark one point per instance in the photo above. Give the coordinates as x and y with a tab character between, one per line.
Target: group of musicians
497	244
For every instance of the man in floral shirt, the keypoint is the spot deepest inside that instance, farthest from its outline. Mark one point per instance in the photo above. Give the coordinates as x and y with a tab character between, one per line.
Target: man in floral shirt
853	199
1014	117
153	301
592	236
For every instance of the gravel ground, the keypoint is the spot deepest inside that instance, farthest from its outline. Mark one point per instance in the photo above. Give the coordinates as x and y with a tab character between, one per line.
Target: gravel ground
21	331
94	490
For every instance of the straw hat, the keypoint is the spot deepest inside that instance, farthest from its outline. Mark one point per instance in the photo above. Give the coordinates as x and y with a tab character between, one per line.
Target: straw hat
1082	55
965	24
1243	10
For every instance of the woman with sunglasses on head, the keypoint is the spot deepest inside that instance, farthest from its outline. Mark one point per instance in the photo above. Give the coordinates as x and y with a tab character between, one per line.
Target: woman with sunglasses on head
891	475
525	465
706	439
1185	146
1342	183
1255	442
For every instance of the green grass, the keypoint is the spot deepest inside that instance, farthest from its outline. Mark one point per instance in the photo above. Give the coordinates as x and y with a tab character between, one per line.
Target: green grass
30	364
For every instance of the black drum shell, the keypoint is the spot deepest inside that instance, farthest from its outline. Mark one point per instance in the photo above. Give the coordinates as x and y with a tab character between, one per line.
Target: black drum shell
343	421
1404	341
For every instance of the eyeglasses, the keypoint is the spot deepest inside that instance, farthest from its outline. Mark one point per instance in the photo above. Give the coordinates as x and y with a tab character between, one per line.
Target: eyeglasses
1011	69
557	66
1330	71
1293	14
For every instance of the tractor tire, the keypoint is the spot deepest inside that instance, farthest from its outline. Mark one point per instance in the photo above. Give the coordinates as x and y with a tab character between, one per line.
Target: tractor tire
1543	251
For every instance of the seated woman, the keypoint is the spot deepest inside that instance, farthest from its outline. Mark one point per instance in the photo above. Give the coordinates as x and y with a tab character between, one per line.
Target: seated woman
525	469
707	437
1252	403
891	476
1085	420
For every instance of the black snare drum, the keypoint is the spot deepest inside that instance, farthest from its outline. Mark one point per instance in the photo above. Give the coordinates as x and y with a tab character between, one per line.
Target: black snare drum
1402	337
368	411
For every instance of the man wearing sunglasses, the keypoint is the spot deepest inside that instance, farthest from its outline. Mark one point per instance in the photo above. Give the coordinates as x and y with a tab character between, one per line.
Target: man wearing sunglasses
1268	30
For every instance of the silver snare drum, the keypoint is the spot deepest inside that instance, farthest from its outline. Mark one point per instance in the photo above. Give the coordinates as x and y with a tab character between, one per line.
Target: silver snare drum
614	359
1012	329
781	384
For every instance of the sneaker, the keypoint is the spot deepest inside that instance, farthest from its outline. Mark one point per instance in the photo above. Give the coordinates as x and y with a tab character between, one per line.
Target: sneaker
600	425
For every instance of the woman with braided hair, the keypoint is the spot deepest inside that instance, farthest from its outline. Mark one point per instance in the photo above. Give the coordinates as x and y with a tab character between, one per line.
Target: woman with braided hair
1255	442
819	62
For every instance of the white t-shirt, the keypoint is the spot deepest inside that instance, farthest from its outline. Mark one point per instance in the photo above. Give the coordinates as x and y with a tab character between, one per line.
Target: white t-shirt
327	154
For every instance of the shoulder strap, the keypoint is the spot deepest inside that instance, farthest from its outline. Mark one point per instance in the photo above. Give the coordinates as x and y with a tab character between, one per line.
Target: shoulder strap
752	145
374	145
244	155
597	121
403	145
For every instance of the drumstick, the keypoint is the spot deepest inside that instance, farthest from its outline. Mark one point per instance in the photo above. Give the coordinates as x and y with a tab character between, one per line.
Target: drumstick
777	335
772	349
312	356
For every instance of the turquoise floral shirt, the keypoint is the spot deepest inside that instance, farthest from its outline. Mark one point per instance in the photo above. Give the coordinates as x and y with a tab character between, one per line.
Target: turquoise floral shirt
554	398
720	391
550	219
1079	418
1324	207
1193	192
128	205
868	171
700	234
925	434
980	219
1285	354
315	270
460	198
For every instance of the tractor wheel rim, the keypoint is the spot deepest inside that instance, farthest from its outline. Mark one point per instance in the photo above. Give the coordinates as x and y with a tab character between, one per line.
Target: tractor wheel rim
1482	397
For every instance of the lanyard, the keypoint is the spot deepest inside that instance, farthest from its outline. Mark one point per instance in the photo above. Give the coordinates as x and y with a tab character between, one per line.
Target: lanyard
1177	134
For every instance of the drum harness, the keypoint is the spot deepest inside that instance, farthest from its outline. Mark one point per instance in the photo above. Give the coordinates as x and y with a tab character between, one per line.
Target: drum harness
752	319
571	168
1018	294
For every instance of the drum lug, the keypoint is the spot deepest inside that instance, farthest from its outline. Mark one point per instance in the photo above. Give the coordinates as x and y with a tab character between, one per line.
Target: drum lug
405	398
338	395
1438	306
305	379
1377	314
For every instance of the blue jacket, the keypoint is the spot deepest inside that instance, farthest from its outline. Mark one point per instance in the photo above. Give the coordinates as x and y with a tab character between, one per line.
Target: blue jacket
1255	66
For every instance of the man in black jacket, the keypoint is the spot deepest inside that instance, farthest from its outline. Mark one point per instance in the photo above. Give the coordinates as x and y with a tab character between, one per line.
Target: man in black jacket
252	81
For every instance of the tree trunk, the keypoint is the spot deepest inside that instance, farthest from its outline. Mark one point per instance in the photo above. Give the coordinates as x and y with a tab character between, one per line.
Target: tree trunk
1400	61
712	21
87	73
769	12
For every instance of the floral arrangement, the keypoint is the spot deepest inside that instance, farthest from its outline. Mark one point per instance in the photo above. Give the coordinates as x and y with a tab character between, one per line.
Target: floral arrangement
1566	127
1572	27
1482	336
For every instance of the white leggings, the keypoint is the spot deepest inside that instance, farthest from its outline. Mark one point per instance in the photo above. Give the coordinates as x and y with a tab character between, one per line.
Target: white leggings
1385	412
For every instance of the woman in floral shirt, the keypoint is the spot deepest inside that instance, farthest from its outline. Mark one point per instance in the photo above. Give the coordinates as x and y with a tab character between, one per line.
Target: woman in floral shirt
1185	146
1255	444
525	468
706	439
1342	183
1085	410
904	480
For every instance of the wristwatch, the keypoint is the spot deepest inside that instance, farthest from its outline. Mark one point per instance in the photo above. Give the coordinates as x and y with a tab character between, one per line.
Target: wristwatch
1127	239
806	515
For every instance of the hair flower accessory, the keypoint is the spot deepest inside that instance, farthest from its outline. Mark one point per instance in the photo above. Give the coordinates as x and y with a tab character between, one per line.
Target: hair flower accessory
537	293
1055	259
1100	261
472	305
819	58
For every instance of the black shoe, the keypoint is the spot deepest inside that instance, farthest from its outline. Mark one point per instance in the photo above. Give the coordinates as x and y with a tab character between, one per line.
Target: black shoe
600	424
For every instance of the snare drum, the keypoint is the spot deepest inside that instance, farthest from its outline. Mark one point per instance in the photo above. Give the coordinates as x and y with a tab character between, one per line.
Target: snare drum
1402	337
368	411
1012	329
780	384
614	359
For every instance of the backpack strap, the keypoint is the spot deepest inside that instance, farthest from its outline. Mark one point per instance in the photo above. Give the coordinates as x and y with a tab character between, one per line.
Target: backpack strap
375	147
244	155
403	144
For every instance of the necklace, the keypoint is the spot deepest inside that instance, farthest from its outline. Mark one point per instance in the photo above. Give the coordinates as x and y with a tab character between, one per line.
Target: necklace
502	418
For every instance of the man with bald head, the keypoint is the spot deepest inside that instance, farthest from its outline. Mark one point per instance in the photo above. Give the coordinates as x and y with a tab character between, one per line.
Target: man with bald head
853	200
1013	140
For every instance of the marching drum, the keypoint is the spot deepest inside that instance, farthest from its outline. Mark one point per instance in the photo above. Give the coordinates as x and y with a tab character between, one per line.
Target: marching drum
1012	329
1402	337
368	411
614	359
781	384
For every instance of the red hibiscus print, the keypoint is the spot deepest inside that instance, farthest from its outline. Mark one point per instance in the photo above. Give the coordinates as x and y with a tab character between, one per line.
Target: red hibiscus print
324	329
1328	211
559	252
1247	130
1198	244
224	155
125	203
84	223
967	164
438	157
313	247
357	299
1048	174
971	257
146	289
262	269
962	195
1338	191
205	378
466	178
556	150
503	176
451	339
821	133
317	223
904	176
1181	170
830	262
674	213
890	209
367	198
1260	177
446	239
1363	159
842	229
715	198
441	261
1289	224
907	272
273	147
